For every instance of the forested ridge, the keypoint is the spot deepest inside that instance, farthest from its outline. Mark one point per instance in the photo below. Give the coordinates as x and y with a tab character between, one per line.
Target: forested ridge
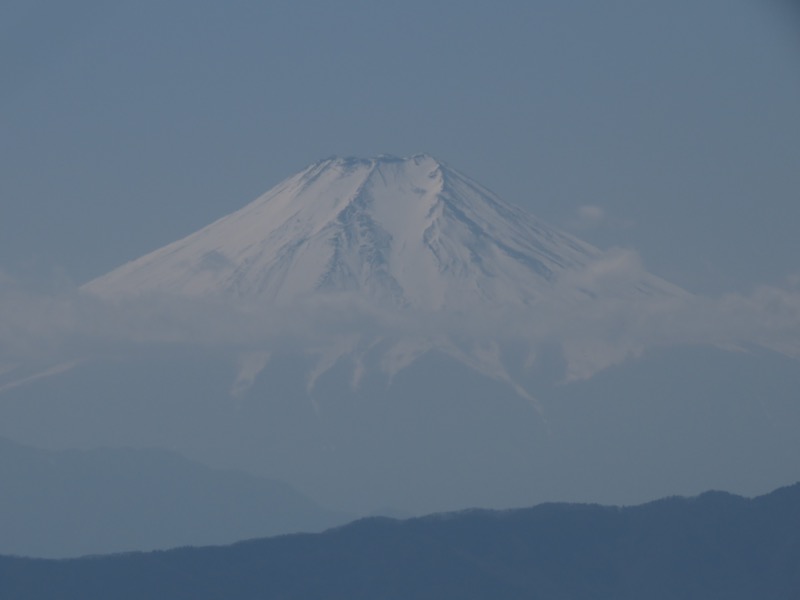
716	545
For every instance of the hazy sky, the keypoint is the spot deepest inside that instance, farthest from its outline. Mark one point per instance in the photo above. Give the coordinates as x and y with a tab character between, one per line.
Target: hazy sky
667	131
669	127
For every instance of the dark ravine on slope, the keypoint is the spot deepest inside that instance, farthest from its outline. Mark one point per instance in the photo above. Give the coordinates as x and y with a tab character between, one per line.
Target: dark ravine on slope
716	545
71	503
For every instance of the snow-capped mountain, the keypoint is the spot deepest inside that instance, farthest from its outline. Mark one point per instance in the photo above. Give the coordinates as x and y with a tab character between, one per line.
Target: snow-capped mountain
411	236
407	232
388	333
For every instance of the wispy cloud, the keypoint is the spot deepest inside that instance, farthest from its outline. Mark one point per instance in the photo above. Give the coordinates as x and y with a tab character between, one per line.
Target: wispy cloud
593	216
594	329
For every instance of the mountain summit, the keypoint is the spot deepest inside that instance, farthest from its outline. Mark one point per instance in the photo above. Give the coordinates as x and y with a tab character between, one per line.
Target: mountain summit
403	232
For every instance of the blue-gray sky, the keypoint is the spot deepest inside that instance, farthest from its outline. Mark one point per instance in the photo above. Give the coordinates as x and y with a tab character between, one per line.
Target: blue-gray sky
668	130
669	127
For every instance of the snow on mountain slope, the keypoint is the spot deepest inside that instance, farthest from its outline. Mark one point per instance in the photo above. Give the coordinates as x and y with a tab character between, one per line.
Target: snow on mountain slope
410	232
399	234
